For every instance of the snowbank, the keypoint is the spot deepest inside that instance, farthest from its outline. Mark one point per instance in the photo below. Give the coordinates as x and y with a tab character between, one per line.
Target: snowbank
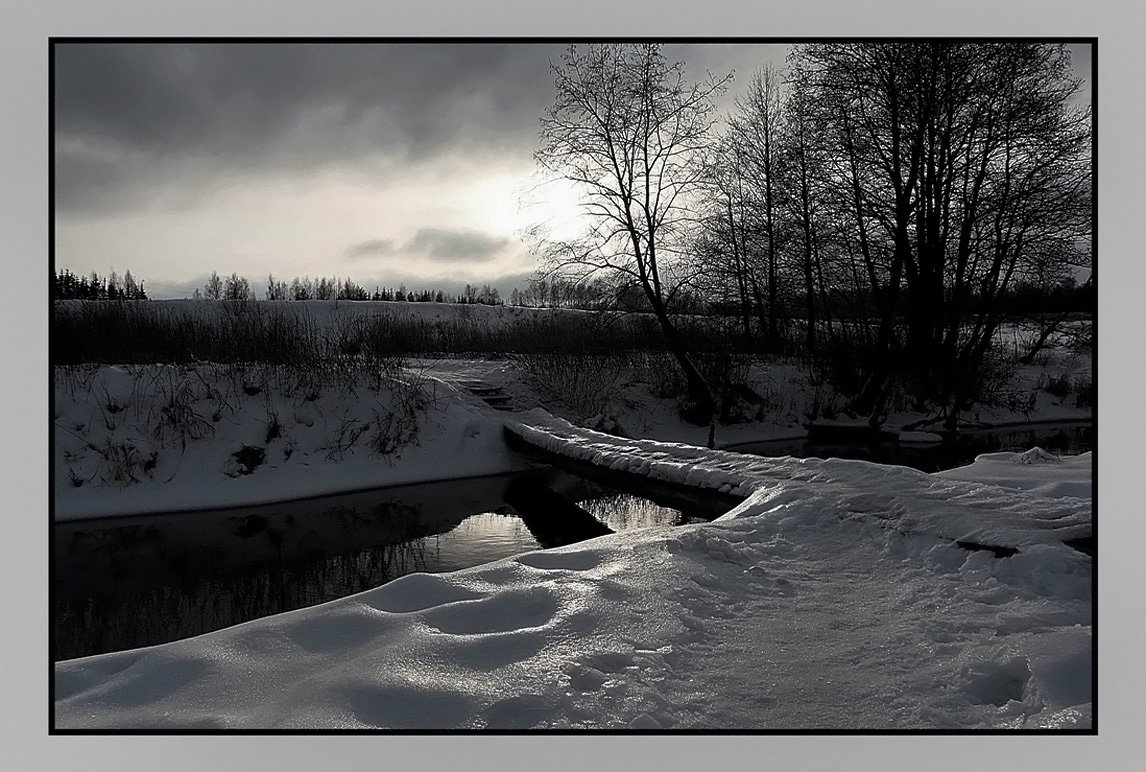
834	597
152	438
1033	470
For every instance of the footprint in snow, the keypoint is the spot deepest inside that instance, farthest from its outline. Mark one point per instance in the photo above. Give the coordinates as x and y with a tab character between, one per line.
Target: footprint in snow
645	721
997	683
583	678
417	592
503	613
569	561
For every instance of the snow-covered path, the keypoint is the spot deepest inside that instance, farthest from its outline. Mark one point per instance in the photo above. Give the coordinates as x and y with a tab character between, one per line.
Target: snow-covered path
816	630
833	597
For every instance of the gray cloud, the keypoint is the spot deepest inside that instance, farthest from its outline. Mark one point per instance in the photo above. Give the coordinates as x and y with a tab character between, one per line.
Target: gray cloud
370	248
447	246
131	116
137	120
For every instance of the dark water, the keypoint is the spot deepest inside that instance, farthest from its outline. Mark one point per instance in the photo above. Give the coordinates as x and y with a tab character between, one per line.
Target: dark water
126	582
1061	439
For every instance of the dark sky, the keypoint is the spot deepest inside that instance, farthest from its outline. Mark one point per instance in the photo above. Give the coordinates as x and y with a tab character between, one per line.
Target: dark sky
384	162
196	110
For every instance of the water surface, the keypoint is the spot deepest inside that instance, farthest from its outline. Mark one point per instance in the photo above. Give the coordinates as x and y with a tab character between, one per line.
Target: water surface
1063	439
125	582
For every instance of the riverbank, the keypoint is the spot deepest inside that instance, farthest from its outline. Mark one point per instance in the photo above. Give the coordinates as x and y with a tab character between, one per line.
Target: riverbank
154	438
332	404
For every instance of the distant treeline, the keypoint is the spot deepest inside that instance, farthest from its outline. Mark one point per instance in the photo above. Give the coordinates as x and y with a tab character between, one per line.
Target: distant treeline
538	293
1067	296
67	286
1023	298
235	287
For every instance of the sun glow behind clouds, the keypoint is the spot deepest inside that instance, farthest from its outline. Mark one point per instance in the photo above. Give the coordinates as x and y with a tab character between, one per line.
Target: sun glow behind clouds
512	204
489	204
173	160
552	206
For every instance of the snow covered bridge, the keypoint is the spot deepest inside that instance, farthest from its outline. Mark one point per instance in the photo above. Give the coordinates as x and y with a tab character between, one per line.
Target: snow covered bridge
973	513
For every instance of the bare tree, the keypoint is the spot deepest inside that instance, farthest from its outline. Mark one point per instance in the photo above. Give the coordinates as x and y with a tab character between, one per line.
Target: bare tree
725	246
960	164
631	133
213	289
754	133
236	288
276	290
800	161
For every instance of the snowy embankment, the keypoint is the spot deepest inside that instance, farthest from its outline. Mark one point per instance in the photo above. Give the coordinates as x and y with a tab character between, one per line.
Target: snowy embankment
833	597
158	438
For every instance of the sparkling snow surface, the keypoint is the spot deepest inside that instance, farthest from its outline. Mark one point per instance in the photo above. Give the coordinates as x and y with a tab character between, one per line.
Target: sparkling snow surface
833	597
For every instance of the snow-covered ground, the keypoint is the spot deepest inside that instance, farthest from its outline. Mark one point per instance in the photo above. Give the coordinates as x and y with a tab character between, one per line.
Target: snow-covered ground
169	438
150	438
828	599
1048	474
835	596
902	498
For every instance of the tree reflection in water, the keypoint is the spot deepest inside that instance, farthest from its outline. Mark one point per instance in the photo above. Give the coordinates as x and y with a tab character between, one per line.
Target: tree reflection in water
141	609
624	511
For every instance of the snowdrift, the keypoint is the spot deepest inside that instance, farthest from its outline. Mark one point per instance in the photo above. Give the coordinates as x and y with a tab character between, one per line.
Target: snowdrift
833	597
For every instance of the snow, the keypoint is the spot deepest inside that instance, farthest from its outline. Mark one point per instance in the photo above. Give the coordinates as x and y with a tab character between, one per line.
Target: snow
898	496
456	437
1033	470
839	594
833	597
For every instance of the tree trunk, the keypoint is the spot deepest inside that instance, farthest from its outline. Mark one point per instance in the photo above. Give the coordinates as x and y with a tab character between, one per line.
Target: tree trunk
702	407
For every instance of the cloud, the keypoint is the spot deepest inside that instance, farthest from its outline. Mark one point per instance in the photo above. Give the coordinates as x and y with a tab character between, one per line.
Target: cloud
370	248
132	117
449	246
